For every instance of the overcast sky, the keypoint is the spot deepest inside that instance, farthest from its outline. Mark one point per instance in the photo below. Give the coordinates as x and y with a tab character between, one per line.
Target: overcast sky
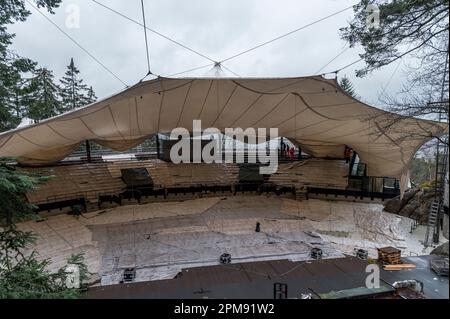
218	29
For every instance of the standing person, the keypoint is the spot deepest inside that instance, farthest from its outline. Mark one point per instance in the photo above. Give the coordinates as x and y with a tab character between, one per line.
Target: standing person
350	154
347	154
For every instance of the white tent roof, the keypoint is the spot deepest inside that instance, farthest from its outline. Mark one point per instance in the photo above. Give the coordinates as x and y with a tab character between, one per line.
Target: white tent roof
311	111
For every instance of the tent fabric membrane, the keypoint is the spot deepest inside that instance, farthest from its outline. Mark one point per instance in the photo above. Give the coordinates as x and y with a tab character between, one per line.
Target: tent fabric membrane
313	112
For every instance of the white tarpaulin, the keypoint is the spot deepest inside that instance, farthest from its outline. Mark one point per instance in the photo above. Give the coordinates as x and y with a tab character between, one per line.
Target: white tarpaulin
311	111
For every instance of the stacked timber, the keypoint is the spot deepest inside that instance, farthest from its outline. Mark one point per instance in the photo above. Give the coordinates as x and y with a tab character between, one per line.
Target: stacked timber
389	256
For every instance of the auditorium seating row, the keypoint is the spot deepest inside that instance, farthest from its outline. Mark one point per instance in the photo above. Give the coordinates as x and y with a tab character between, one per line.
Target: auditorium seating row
320	173
169	175
68	182
90	181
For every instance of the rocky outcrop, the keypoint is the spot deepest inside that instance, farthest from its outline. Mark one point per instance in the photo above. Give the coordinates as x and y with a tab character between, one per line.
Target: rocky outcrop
415	204
445	226
442	250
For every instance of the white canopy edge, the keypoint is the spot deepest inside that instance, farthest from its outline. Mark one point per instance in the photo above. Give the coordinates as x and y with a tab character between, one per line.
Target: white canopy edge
313	112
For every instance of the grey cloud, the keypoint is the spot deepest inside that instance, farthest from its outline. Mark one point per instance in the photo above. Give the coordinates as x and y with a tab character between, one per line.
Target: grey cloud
218	29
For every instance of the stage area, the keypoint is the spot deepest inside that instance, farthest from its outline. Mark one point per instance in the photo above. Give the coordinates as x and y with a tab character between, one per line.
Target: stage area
159	240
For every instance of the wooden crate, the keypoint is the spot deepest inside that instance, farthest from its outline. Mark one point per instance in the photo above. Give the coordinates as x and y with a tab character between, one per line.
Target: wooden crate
389	256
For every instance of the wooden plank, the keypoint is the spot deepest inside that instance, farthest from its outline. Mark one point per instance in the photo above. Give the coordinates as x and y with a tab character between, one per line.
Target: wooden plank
399	267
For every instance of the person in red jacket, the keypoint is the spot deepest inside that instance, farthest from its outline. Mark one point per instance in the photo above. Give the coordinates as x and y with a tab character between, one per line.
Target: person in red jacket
292	152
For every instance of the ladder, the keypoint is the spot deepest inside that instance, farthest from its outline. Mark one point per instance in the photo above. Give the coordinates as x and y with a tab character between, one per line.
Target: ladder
433	223
434	215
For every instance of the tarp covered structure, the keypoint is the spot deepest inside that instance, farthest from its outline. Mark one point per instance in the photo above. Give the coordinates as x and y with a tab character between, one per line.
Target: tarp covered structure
311	111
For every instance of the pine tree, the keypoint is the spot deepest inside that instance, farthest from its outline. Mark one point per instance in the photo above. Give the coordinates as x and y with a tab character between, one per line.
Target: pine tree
14	184
42	96
347	86
11	89
91	97
24	276
12	66
74	93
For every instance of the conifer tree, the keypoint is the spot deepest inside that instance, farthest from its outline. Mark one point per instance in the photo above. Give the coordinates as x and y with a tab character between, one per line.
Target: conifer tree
347	86
12	66
11	89
91	97
42	96
74	93
24	276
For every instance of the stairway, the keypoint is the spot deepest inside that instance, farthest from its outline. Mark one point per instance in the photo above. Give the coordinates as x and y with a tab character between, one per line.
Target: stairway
433	223
301	194
433	226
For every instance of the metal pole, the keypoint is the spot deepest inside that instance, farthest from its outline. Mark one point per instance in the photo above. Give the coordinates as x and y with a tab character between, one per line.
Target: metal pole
439	192
157	147
88	151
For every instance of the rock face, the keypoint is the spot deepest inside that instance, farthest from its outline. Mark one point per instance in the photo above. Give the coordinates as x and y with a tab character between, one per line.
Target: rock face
441	250
445	227
415	204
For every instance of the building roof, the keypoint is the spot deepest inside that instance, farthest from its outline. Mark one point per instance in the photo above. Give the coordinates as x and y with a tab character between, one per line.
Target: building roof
330	278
